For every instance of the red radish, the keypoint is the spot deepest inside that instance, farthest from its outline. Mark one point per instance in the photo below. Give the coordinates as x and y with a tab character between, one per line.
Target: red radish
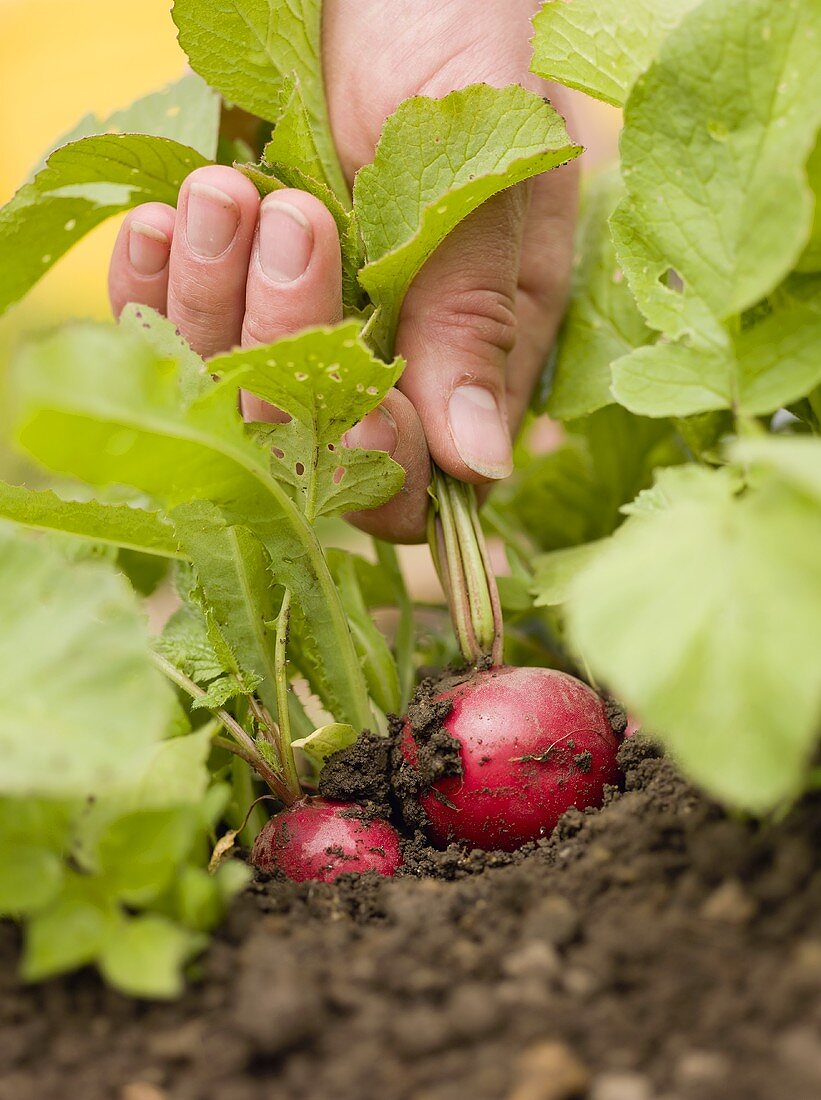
317	839
532	742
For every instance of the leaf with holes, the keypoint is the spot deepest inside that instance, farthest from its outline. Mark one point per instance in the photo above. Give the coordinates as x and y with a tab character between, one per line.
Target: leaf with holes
327	380
716	137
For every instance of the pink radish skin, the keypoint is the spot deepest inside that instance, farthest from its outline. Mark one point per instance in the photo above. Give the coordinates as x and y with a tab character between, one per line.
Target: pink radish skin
318	840
533	742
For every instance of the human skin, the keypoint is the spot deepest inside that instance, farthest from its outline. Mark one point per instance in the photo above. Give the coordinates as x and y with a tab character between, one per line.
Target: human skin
480	317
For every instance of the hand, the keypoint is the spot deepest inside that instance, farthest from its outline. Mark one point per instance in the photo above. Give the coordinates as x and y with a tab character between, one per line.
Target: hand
481	316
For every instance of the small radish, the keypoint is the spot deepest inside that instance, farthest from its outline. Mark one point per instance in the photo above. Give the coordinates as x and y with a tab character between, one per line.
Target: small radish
317	839
525	744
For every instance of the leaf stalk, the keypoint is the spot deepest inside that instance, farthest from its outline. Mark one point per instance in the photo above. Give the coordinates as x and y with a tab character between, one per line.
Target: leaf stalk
463	563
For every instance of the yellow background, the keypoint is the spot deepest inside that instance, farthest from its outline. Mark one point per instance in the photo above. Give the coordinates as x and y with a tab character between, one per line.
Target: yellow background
59	60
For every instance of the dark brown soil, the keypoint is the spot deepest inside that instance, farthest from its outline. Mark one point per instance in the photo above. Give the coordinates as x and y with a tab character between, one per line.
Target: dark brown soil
653	950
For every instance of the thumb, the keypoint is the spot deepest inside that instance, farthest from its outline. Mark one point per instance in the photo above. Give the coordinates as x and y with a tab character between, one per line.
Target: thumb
456	331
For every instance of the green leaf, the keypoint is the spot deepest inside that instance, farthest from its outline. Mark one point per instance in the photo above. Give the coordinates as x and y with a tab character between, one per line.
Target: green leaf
795	459
81	186
554	573
350	480
234	571
30	878
683	485
378	663
224	690
291	159
145	572
275	175
717	134
186	644
810	260
98	403
767	366
669	304
139	853
113	524
327	380
175	775
438	160
703	433
602	322
144	956
164	338
574	494
197	899
187	111
64	937
292	146
327	740
45	823
88	704
514	594
602	46
705	619
254	51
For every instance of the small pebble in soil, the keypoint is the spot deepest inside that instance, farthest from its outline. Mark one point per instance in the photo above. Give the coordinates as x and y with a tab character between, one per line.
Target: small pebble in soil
549	1071
533	959
800	1049
729	904
141	1090
700	1068
621	1086
553	919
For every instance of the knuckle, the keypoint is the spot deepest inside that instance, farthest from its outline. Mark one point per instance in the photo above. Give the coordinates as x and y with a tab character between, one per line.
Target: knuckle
196	303
476	318
255	330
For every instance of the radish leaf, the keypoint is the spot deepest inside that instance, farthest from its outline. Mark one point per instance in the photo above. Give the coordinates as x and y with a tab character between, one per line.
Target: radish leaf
58	635
438	160
81	186
717	134
253	51
602	322
736	701
113	524
602	46
327	380
767	365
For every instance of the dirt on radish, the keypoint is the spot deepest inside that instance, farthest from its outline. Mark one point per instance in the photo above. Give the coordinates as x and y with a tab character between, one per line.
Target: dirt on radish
494	758
318	840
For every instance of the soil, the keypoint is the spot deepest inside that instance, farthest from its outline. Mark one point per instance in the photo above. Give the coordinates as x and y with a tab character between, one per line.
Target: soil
650	950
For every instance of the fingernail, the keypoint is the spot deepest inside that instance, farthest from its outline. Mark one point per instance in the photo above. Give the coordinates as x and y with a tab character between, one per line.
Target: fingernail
213	220
377	432
286	241
148	248
480	432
